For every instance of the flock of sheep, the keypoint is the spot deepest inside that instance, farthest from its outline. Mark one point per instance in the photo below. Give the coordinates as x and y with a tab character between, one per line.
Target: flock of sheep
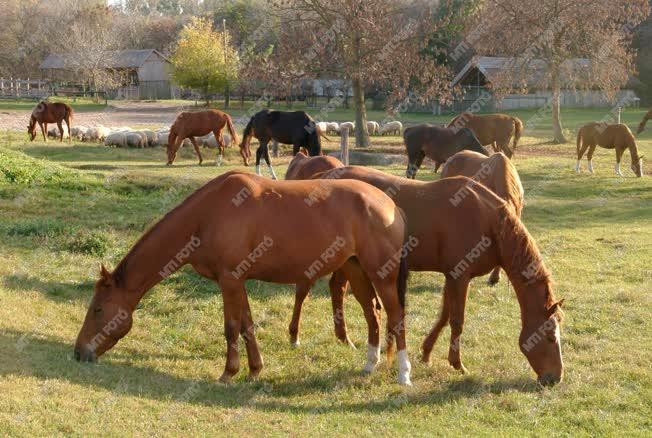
374	128
124	136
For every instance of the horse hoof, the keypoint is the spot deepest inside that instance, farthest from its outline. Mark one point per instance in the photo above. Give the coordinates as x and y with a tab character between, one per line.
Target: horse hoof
225	378
253	375
295	344
404	380
425	358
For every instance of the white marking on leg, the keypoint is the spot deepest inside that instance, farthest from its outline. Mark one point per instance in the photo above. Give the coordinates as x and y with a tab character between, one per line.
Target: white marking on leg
578	166
617	168
271	169
591	166
257	169
404	368
373	358
219	160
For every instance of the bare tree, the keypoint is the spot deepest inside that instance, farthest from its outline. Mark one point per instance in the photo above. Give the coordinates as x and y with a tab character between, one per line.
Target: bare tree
543	39
365	42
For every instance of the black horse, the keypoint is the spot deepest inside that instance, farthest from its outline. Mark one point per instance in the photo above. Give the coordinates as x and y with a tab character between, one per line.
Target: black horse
438	144
288	127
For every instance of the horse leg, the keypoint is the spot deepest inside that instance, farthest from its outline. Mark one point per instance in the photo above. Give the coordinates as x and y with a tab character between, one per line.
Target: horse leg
269	162
259	153
414	163
60	126
301	292
44	128
247	330
196	146
495	147
338	284
233	294
619	156
494	278
68	123
580	154
437	166
364	292
457	291
220	144
504	148
589	157
173	148
429	342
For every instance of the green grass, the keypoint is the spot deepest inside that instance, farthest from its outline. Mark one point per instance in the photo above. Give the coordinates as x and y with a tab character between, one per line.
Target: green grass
80	104
594	230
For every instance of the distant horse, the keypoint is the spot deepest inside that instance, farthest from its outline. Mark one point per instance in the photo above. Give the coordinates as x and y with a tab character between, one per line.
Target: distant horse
198	124
241	226
646	117
608	136
50	112
438	144
460	228
497	173
304	167
296	128
492	129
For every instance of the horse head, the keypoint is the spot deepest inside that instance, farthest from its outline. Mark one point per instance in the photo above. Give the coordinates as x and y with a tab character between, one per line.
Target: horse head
31	128
637	166
109	318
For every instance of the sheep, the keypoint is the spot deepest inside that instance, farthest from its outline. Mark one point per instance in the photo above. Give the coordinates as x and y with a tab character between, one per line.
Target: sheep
92	134
102	132
347	125
152	137
77	132
136	139
322	126
116	138
209	140
394	127
54	131
333	128
372	127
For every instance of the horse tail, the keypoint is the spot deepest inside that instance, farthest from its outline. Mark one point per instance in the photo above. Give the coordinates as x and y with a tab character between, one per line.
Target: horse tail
580	139
247	134
646	117
231	128
518	131
507	182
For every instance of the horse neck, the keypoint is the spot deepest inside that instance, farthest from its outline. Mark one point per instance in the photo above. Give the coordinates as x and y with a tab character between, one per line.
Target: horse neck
633	151
163	250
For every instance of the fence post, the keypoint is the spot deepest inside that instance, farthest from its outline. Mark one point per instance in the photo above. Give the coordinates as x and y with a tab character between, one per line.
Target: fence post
620	108
344	146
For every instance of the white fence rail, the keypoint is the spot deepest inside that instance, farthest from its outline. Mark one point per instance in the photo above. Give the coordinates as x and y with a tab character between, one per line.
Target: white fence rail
34	88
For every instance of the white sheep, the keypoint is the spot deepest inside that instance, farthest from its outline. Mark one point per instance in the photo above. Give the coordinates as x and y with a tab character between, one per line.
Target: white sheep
373	127
347	125
136	139
210	141
54	131
333	128
394	127
116	138
322	127
152	137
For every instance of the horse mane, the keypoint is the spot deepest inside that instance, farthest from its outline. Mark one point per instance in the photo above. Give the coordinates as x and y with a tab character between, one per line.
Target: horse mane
520	255
507	182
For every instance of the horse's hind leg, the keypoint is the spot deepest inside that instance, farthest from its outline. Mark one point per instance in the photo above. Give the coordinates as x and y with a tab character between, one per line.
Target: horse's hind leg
301	292
589	157
247	330
196	146
220	144
580	154
60	126
494	278
233	296
429	342
338	284
457	291
259	153
619	156
269	162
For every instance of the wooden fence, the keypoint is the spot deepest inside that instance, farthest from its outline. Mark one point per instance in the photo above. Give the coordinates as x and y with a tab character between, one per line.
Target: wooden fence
25	88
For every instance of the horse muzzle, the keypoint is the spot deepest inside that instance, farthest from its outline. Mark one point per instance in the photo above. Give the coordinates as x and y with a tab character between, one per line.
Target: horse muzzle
549	379
84	355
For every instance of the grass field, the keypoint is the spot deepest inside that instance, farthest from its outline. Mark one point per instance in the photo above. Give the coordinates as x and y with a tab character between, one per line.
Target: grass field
80	104
66	208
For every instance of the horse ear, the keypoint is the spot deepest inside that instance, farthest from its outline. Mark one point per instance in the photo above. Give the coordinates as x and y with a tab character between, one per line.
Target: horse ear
105	276
555	307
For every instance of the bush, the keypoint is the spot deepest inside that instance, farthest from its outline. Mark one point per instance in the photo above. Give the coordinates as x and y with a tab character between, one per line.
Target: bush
95	244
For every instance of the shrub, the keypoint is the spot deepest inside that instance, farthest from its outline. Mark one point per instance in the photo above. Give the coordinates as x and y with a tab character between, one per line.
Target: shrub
90	243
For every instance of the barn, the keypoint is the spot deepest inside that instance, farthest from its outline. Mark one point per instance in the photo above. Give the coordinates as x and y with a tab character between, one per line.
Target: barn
145	74
477	76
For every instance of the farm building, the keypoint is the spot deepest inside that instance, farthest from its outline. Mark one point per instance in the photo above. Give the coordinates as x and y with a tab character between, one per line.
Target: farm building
145	74
478	74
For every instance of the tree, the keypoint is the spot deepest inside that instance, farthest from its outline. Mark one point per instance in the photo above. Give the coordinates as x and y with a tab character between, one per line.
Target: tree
366	42
198	60
554	32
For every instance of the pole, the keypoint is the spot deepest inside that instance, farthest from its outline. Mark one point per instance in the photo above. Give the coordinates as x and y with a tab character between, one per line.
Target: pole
226	88
344	146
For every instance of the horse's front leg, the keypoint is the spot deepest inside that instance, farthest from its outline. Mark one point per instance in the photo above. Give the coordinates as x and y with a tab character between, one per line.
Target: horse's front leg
494	278
619	156
259	154
457	292
247	330
233	296
269	162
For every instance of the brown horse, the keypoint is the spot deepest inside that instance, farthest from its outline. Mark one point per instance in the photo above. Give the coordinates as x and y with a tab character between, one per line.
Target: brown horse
492	129
497	173
197	124
304	167
241	226
608	136
646	117
50	112
436	143
462	229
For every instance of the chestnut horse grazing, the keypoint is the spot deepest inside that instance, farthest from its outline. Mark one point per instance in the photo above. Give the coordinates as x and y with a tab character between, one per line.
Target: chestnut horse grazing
436	143
197	124
460	228
241	226
497	173
492	129
646	117
304	167
50	112
609	136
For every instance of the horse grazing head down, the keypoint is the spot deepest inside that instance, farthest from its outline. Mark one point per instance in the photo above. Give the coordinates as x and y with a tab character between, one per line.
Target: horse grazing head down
31	128
109	318
540	342
637	167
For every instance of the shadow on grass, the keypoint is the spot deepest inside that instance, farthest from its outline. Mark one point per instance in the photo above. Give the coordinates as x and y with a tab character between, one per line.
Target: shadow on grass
54	290
48	358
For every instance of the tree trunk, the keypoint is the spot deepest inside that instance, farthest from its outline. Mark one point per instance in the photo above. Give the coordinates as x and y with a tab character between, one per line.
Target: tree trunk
227	96
361	134
556	107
